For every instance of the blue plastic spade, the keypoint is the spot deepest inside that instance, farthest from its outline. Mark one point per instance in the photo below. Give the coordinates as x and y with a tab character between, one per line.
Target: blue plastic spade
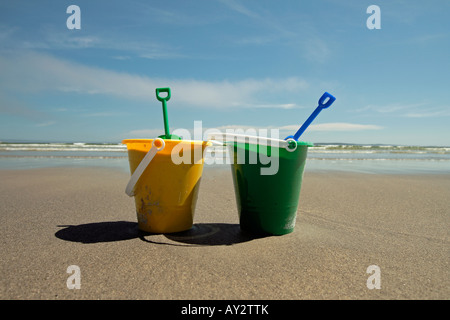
322	105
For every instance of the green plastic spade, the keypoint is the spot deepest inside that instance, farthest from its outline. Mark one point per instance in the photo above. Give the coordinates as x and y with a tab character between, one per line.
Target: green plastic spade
164	100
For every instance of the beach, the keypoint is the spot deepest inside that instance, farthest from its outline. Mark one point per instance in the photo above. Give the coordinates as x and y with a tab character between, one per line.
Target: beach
53	218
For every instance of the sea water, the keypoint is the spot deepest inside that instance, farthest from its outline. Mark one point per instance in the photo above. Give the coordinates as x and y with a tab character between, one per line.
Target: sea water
323	157
379	158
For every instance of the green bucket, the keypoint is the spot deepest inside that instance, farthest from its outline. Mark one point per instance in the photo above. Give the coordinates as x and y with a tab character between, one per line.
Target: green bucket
267	203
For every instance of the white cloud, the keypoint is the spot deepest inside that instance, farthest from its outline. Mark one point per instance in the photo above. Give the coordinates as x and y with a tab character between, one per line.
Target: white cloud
242	93
427	39
251	130
55	38
334	126
34	72
315	49
391	108
45	124
103	114
413	110
262	17
439	113
343	126
235	6
274	106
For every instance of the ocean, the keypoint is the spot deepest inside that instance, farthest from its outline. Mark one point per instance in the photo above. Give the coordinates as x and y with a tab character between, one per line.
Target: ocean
323	157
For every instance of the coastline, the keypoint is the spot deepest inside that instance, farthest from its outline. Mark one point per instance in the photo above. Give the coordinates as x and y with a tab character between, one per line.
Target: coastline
323	157
366	166
56	217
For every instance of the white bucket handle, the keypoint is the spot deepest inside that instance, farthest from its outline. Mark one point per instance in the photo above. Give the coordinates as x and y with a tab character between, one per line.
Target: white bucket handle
129	190
262	140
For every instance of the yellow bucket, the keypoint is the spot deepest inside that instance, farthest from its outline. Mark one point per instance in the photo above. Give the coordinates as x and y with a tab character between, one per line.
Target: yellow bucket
166	192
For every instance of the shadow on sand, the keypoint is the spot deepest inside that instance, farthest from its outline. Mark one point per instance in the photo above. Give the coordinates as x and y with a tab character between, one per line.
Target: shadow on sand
204	234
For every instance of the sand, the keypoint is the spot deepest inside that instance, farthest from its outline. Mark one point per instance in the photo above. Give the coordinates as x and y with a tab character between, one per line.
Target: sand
57	217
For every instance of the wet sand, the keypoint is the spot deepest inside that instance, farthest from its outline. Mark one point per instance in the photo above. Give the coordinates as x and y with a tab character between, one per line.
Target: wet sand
57	217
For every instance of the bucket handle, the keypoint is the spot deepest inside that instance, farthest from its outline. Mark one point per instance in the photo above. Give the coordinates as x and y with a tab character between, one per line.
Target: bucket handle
157	145
289	144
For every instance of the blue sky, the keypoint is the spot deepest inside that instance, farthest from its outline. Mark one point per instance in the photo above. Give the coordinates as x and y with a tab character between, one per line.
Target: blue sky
229	63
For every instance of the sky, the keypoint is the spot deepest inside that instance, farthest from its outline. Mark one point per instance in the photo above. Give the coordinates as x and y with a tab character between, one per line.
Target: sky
248	64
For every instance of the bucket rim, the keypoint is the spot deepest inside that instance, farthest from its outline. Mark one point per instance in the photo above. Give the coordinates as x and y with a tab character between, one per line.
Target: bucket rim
237	138
299	143
127	141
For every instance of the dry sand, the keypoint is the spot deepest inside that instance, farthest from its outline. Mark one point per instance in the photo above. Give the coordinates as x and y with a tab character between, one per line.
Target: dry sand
57	217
